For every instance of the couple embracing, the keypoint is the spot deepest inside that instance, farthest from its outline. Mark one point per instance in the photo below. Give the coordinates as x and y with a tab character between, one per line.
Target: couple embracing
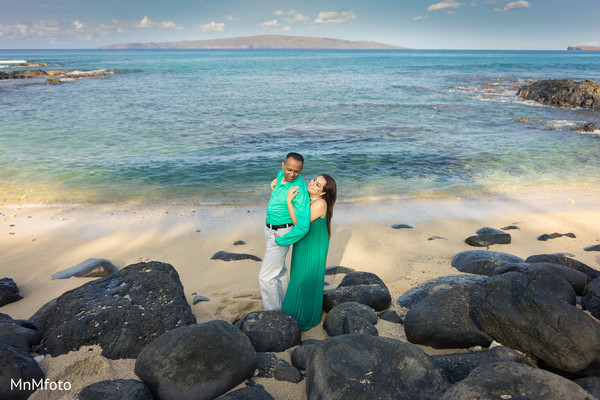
297	214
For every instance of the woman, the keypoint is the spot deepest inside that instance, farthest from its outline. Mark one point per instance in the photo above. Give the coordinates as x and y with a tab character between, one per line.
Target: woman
304	296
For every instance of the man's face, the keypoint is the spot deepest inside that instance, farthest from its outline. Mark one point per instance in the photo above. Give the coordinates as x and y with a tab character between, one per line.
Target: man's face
291	169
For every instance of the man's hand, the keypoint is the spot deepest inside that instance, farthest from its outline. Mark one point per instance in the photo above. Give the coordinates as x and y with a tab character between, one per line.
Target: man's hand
293	192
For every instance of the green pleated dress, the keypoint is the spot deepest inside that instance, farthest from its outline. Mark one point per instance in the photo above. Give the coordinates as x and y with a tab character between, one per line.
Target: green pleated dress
304	296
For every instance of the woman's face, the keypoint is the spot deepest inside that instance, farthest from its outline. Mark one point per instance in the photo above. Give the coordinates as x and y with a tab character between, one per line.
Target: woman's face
316	186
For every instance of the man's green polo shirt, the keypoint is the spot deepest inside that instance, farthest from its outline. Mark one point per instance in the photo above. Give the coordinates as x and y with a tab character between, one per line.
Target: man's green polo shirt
278	214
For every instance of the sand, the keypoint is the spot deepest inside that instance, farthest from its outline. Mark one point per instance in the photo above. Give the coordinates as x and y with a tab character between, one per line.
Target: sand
38	241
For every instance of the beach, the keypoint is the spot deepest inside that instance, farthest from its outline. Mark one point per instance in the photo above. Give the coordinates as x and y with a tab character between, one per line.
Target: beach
38	241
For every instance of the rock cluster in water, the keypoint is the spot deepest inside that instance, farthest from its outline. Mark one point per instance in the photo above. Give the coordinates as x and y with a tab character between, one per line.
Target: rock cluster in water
52	77
563	92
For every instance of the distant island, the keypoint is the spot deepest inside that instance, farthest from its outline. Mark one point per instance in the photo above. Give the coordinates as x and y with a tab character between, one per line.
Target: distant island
259	42
585	48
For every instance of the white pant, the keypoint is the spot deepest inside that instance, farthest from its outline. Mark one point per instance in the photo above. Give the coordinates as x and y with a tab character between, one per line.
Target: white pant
273	277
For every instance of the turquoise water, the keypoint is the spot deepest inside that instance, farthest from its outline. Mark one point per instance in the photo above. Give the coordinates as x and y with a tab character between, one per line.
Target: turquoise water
212	127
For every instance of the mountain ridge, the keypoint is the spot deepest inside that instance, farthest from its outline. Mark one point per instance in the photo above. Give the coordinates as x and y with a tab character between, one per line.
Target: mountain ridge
258	42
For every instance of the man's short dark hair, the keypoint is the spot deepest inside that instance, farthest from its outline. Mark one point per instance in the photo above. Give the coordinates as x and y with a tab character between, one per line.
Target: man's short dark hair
296	157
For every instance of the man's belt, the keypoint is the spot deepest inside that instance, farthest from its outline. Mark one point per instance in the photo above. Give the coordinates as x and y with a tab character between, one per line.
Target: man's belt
275	227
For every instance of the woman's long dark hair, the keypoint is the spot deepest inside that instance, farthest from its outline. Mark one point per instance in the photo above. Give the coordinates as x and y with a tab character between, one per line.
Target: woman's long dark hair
329	195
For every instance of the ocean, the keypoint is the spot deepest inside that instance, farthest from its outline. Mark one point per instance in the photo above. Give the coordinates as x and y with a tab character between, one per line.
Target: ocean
212	126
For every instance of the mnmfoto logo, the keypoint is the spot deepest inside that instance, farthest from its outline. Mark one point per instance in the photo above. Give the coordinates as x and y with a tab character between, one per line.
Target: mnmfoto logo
41	384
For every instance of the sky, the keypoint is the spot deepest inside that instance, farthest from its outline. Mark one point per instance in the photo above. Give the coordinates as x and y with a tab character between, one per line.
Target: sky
417	24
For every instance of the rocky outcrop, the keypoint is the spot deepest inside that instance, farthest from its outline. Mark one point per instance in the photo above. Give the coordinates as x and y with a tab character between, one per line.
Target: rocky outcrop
121	312
563	92
197	362
270	330
365	367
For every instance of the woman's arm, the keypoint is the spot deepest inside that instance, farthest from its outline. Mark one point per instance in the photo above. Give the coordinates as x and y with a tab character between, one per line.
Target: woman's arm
293	192
273	183
318	209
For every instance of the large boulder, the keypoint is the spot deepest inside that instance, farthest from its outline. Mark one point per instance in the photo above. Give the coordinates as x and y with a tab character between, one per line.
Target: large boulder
121	312
9	291
197	362
270	330
17	366
591	298
361	287
350	317
446	319
482	262
509	380
365	367
421	292
563	92
535	313
561	259
116	389
577	279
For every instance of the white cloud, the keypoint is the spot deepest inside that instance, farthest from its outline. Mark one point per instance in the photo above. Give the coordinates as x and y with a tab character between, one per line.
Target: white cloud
292	16
420	17
333	17
592	44
286	28
77	30
445	5
271	24
146	23
211	26
496	10
516	5
231	18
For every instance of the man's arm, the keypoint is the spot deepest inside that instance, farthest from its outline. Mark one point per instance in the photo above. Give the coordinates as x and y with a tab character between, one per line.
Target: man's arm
302	209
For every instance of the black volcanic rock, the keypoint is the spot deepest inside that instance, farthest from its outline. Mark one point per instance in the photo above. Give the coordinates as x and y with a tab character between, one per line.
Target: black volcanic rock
563	92
122	312
9	291
197	362
365	367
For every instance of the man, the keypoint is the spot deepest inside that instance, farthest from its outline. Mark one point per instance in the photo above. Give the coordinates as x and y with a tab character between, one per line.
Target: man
280	227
